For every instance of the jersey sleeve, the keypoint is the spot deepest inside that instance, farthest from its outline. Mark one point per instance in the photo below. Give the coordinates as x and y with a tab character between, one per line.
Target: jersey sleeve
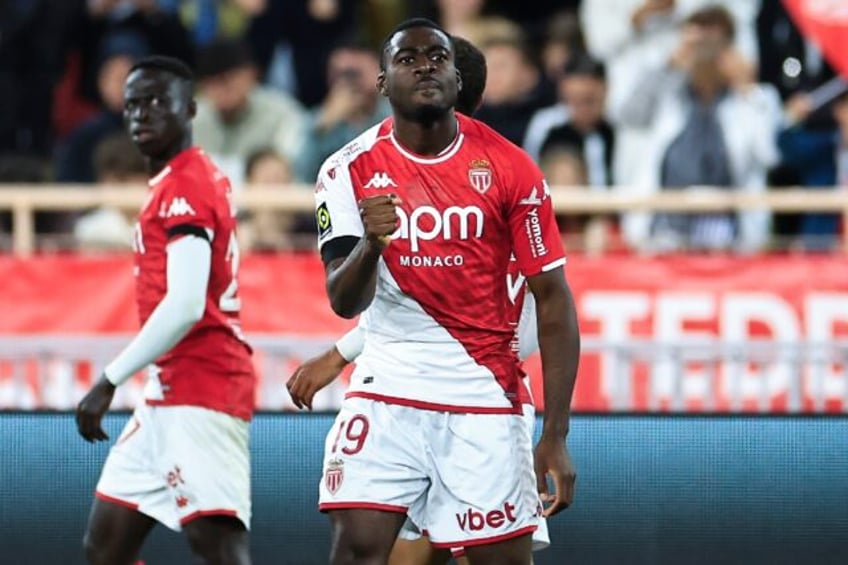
336	209
186	202
535	237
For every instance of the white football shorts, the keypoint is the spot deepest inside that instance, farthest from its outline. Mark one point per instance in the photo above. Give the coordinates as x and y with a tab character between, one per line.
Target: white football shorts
468	477
541	538
178	463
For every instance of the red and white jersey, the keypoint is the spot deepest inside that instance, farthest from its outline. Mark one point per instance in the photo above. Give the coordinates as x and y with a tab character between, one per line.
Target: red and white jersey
439	329
211	366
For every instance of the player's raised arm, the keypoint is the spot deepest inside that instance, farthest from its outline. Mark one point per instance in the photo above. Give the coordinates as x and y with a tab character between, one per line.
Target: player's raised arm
351	237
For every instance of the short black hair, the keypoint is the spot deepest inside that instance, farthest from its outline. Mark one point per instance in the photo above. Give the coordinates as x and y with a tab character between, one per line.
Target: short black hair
585	66
471	63
405	25
163	63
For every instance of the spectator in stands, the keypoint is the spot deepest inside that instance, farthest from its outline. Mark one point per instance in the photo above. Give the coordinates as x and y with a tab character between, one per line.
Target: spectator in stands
514	89
633	36
710	124
563	41
292	42
564	166
75	158
117	163
819	156
236	116
578	119
351	106
33	45
270	230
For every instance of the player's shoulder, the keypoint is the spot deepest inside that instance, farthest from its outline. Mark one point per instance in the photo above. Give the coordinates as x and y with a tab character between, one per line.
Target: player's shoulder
362	144
500	150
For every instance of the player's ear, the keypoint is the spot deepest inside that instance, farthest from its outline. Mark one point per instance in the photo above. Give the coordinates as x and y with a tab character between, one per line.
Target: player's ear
458	80
381	83
192	108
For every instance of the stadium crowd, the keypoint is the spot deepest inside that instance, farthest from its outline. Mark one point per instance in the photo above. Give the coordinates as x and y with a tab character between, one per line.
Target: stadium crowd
606	95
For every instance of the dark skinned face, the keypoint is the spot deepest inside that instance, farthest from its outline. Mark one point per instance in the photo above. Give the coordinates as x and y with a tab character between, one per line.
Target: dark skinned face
158	109
420	79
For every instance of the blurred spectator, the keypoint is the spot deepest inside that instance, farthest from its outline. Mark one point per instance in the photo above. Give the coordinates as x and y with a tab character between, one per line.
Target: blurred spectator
236	116
819	157
74	161
269	230
292	42
143	20
458	17
351	106
710	124
578	119
563	40
632	36
564	167
117	163
514	89
34	38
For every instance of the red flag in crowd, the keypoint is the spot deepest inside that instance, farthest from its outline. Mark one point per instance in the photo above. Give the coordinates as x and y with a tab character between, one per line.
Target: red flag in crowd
825	22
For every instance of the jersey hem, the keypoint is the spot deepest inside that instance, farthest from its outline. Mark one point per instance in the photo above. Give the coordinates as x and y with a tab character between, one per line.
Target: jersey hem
516	409
484	541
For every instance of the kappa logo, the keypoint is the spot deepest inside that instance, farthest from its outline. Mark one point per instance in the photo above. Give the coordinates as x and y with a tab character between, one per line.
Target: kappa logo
179	207
380	180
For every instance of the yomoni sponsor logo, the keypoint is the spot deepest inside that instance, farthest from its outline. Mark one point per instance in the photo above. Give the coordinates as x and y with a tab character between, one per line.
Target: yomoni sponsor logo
533	227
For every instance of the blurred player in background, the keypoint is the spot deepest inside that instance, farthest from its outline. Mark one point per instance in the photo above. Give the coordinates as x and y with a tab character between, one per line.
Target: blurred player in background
431	425
182	459
411	547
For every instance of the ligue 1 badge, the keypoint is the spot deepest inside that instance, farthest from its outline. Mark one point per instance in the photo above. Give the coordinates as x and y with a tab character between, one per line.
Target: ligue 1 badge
334	475
480	175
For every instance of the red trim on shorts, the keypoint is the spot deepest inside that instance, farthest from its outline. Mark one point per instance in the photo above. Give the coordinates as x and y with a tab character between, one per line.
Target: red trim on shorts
457	552
118	501
484	541
203	513
436	406
327	506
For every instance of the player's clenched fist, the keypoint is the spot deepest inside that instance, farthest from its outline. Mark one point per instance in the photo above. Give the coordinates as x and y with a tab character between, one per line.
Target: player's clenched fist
379	217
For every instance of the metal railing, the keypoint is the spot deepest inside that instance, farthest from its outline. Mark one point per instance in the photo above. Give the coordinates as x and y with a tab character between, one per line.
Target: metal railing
707	376
23	201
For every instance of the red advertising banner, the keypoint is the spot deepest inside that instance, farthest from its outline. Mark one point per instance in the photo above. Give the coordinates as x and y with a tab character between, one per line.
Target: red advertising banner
699	334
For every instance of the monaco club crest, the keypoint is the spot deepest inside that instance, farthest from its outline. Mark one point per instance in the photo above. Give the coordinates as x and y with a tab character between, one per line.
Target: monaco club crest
334	475
480	175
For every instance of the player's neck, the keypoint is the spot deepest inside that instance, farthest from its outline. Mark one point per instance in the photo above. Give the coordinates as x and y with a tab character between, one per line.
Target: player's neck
156	164
429	138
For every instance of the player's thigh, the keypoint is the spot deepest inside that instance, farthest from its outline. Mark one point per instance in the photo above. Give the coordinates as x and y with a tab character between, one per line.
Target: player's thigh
485	489
362	533
205	458
219	539
513	551
115	532
417	552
